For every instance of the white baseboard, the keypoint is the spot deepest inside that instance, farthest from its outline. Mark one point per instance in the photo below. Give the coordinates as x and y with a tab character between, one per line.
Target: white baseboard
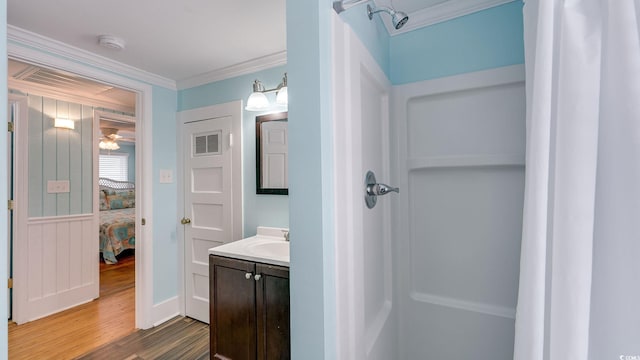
165	311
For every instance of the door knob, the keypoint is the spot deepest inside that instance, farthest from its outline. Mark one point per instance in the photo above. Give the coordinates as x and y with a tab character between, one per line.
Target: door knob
373	189
185	221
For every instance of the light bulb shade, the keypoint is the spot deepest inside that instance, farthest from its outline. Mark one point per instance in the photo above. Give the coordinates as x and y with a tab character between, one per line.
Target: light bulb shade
257	101
64	123
283	96
108	145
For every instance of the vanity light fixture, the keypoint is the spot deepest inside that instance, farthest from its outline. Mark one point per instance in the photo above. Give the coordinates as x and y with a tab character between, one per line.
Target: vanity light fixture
258	100
64	123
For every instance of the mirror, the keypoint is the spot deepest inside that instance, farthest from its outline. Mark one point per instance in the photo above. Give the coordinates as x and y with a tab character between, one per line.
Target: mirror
272	171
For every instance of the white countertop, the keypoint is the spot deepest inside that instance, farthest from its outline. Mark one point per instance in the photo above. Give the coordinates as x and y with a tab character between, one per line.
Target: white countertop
268	246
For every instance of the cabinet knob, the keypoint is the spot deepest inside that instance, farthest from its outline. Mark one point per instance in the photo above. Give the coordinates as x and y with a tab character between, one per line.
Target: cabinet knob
257	277
247	276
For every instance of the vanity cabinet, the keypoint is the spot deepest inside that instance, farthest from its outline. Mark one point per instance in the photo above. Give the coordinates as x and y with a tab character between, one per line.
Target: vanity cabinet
248	310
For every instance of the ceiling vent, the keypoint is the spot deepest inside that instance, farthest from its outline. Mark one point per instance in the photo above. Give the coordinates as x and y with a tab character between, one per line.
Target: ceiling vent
60	81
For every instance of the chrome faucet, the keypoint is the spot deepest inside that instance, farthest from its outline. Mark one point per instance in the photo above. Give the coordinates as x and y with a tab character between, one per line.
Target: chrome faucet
286	235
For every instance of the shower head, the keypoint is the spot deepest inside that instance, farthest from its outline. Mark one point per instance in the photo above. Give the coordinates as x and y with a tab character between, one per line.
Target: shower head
398	18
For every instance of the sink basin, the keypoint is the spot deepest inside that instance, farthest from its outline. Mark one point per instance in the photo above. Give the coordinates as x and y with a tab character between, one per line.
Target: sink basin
275	248
268	246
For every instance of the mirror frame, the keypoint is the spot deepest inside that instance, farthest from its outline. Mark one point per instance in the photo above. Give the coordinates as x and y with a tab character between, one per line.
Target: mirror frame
281	116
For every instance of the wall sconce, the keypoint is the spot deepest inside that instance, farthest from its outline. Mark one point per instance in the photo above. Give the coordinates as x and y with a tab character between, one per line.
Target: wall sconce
64	123
258	100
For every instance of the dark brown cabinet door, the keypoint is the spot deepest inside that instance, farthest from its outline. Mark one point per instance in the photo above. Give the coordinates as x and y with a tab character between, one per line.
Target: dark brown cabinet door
272	296
232	309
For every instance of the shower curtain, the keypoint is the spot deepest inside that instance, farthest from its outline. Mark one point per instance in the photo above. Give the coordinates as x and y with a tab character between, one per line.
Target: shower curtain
579	294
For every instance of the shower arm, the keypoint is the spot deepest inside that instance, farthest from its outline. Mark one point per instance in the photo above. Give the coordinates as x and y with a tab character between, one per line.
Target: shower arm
342	5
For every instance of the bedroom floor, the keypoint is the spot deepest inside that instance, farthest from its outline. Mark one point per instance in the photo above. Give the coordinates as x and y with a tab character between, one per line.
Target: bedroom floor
76	331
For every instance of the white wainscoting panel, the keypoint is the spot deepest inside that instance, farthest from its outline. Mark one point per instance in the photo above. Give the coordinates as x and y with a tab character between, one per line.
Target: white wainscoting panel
62	266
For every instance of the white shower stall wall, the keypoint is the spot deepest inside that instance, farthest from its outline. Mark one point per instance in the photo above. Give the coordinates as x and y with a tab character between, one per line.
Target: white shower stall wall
458	151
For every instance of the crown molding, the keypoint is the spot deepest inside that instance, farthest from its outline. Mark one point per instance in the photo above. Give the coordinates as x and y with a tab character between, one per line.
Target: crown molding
34	89
247	67
23	38
441	12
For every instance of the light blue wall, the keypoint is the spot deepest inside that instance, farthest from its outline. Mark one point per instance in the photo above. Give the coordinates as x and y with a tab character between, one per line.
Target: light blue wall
313	322
484	40
130	149
372	33
264	210
60	154
165	217
3	179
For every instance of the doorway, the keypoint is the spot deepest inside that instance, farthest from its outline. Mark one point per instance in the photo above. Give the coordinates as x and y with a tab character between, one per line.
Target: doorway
70	206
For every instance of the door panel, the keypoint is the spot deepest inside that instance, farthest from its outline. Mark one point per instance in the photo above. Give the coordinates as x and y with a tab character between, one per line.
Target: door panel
212	194
363	236
207	204
233	306
272	307
275	172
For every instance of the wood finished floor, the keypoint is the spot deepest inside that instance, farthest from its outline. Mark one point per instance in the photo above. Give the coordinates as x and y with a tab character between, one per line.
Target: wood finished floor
76	331
179	338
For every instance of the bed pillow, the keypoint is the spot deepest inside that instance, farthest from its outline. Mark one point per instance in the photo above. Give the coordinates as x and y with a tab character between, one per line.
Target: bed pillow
104	204
121	199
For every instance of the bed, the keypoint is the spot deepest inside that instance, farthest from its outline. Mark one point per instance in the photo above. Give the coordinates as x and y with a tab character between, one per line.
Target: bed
117	218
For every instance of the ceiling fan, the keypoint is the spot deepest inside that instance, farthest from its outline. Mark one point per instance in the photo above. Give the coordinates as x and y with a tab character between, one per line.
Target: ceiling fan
109	139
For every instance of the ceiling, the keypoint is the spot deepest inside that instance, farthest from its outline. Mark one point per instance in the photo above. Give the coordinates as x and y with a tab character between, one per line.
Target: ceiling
184	39
176	39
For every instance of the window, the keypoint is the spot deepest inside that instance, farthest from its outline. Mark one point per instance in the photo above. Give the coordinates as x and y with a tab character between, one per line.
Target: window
114	167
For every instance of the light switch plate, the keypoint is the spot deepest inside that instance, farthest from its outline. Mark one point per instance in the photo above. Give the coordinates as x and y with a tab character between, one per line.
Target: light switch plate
166	176
57	186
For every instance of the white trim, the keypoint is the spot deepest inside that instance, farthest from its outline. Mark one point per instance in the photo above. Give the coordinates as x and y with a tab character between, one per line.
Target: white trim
361	335
35	89
21	212
441	12
58	219
247	67
473	306
235	109
468	81
144	160
166	310
182	288
431	162
144	181
45	44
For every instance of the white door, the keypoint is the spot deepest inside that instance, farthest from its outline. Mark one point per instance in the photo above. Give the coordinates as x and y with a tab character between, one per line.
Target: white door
363	236
9	196
212	196
274	155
